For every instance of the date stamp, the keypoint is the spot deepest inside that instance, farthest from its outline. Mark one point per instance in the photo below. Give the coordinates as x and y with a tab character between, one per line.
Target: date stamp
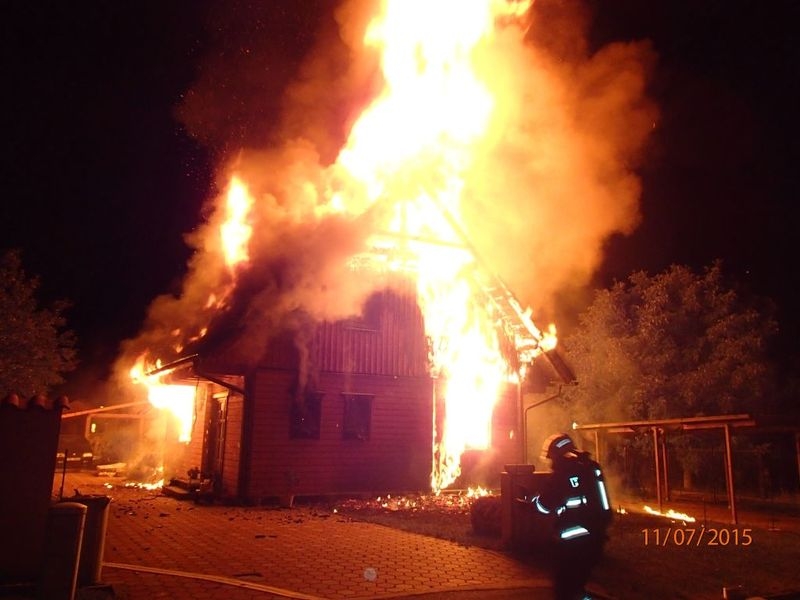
697	536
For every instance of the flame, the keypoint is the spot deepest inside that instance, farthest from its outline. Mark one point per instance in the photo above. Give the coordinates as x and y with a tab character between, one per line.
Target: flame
478	492
411	149
157	485
177	399
409	153
235	232
234	235
670	514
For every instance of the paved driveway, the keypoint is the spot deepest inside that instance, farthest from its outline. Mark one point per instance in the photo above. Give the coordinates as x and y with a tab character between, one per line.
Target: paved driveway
160	547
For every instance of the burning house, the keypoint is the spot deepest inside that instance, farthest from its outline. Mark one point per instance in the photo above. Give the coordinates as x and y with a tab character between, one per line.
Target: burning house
347	322
353	405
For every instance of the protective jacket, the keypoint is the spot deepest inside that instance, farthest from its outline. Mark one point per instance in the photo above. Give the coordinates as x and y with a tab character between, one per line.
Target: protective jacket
575	498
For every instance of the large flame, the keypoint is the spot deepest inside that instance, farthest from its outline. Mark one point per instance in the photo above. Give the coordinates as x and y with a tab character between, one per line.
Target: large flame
178	400
232	237
235	232
409	152
412	148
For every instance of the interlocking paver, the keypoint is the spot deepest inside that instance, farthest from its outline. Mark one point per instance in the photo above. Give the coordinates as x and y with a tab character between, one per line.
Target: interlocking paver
200	552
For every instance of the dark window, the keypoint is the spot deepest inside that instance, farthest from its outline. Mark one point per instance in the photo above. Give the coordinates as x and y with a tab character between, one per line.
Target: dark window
357	416
306	415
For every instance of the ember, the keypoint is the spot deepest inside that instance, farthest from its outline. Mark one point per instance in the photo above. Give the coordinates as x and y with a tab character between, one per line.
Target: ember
449	502
146	486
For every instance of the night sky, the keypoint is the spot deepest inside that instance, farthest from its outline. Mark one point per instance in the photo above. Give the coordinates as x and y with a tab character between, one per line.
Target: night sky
102	176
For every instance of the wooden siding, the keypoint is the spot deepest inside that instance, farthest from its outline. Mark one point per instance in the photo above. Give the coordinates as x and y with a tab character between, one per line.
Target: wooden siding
396	346
388	340
396	457
233	445
193	455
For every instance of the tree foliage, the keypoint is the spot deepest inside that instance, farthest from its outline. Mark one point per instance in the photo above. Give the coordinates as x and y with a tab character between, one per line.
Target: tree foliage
35	348
676	344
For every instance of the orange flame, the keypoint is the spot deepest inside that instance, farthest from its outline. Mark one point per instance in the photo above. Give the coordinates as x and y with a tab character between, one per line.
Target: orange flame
409	152
235	232
670	514
410	149
177	399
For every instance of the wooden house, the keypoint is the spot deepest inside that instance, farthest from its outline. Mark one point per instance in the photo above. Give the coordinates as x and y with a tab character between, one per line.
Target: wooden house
351	412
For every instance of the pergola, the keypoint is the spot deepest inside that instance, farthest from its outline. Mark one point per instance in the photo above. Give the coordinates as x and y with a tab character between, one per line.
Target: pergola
659	428
105	412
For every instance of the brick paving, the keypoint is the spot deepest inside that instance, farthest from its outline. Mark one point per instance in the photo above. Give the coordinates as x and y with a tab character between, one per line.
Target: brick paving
160	547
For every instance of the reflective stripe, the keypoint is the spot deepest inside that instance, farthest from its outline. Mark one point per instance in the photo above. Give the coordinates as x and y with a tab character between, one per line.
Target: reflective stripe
539	506
603	496
573	532
575	501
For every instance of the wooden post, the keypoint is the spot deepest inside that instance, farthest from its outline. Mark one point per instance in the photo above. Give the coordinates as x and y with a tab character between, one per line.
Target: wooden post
797	450
597	445
665	463
657	470
729	474
522	426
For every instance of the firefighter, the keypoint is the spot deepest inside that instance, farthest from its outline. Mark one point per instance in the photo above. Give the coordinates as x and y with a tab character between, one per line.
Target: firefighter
574	505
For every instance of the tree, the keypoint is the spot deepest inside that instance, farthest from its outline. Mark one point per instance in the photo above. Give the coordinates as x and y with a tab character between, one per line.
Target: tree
676	344
35	348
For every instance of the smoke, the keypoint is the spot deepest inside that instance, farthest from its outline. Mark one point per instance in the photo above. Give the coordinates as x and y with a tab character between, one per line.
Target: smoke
272	100
275	99
559	177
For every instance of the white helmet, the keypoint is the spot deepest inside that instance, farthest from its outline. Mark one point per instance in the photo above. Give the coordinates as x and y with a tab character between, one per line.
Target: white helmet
557	445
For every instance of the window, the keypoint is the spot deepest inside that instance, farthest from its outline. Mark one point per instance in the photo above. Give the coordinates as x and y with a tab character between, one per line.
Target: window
357	416
305	416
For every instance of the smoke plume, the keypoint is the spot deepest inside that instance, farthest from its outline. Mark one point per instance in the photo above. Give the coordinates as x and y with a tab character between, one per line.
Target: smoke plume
275	99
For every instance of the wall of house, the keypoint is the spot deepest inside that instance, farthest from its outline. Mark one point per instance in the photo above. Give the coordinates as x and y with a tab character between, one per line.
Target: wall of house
381	356
377	360
395	456
232	446
388	339
198	452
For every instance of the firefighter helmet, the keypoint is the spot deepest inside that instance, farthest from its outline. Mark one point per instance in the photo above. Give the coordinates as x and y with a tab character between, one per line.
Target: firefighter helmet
557	445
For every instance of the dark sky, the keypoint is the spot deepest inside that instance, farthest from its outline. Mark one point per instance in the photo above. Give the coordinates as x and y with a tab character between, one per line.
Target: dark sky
101	180
722	176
